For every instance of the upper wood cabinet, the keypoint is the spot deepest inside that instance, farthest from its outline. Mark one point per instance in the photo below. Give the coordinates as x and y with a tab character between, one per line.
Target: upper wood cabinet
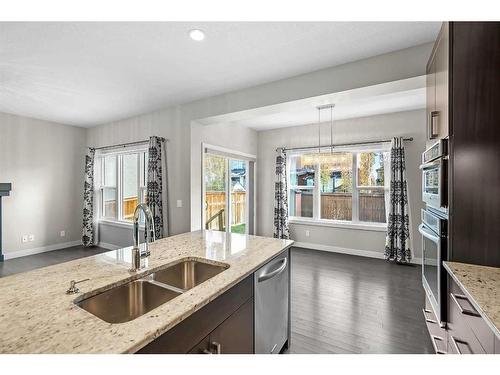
437	88
474	115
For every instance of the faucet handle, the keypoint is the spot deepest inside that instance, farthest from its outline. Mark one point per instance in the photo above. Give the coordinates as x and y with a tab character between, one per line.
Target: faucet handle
72	286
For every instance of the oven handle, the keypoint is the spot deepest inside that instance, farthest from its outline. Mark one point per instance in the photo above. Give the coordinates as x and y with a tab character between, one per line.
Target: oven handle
435	163
427	233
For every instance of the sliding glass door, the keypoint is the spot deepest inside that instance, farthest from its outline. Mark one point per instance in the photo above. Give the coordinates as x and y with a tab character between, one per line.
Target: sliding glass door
227	186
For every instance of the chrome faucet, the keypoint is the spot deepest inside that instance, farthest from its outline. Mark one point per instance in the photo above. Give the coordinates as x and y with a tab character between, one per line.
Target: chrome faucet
149	234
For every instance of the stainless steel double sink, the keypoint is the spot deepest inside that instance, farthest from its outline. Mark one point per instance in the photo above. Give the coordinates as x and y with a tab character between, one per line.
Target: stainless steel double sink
129	301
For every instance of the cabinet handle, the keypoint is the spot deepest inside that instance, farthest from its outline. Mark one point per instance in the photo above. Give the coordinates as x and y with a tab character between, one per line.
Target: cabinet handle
455	345
434	339
426	318
456	297
432	127
217	347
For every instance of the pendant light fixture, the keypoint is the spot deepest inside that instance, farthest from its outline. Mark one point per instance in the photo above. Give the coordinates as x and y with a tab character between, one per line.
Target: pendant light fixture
320	108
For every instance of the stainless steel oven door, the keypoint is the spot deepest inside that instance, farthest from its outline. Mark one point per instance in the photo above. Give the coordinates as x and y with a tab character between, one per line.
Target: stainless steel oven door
431	267
434	184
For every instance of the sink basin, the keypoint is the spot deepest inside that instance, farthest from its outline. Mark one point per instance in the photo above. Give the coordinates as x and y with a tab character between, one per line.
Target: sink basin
187	274
127	302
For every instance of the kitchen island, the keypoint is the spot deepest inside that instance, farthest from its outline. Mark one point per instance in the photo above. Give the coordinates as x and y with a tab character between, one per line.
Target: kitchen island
37	316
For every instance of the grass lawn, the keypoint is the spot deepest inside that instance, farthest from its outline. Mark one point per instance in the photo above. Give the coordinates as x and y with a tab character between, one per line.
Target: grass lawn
240	228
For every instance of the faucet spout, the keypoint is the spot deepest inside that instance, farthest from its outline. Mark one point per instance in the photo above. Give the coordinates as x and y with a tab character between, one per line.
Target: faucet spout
149	234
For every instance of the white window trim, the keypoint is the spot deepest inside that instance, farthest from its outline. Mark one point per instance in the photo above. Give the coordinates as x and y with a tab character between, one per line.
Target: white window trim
118	222
353	224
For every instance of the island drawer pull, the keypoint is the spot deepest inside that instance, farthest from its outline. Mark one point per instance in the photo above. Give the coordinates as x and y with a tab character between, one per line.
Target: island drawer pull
267	276
425	311
456	297
434	343
455	345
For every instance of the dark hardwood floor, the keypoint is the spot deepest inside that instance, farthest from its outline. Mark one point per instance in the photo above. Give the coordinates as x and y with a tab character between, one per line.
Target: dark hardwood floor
348	304
31	262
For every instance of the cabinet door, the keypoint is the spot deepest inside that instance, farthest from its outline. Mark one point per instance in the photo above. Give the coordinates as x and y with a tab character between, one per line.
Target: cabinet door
431	95
235	334
441	81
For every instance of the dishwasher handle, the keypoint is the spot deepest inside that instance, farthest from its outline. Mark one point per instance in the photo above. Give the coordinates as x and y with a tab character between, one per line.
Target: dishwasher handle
280	269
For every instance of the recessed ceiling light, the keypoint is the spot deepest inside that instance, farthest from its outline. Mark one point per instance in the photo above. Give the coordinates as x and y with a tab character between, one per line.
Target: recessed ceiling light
197	35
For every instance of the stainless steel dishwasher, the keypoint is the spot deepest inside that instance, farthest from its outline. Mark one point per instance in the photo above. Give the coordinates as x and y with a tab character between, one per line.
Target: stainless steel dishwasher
271	293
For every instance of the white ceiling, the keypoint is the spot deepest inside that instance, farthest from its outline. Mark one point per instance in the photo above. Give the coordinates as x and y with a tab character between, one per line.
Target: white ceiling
86	74
370	106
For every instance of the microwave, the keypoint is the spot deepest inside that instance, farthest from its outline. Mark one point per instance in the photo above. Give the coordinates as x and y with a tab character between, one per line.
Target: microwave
435	176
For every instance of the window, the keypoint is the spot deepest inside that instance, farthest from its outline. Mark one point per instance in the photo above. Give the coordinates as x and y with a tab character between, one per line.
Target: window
123	184
339	187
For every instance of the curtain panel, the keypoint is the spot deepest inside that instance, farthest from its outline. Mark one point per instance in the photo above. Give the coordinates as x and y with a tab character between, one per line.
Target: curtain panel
89	230
157	194
397	243
281	229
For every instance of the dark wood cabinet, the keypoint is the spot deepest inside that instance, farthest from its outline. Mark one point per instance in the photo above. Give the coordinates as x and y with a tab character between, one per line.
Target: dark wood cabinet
229	315
463	96
474	112
438	87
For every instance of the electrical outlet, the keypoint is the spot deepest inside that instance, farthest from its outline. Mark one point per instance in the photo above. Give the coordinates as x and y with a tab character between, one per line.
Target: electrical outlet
62	233
31	237
179	203
24	238
307	233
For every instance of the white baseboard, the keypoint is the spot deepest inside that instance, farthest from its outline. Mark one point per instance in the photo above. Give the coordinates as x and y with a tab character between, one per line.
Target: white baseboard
38	250
345	250
108	246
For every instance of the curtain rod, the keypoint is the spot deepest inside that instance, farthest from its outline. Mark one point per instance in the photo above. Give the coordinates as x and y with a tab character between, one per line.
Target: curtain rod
340	144
126	144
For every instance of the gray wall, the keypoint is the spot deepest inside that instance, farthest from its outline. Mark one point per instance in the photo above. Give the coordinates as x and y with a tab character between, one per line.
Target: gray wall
175	122
408	124
45	163
229	136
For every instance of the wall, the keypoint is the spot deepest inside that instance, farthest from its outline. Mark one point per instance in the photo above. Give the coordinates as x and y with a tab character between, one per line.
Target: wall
175	122
408	124
45	163
233	137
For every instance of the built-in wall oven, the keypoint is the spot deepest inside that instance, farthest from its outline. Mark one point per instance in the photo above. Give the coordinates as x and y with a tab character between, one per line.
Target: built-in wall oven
434	176
434	231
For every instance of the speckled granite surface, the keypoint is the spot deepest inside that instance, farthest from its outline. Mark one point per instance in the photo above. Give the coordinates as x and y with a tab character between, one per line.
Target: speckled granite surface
482	286
36	316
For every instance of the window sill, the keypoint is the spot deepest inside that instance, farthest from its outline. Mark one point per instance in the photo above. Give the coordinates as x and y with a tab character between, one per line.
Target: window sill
375	227
119	224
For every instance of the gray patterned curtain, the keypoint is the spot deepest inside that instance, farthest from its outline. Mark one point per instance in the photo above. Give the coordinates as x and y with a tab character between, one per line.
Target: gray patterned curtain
157	197
89	230
397	242
281	229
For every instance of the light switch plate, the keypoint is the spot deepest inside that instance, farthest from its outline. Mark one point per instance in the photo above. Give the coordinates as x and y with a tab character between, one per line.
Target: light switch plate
179	203
307	233
62	233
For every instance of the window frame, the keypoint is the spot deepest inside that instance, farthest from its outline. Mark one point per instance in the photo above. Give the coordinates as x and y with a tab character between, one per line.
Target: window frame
142	152
354	223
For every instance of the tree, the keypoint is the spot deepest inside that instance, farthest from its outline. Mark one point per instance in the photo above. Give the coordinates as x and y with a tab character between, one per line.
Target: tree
366	163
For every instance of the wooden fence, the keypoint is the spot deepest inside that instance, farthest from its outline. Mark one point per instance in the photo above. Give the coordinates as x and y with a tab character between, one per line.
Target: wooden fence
216	200
129	205
338	206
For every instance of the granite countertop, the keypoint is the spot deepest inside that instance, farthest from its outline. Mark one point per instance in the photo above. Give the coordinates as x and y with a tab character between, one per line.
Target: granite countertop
482	286
37	316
